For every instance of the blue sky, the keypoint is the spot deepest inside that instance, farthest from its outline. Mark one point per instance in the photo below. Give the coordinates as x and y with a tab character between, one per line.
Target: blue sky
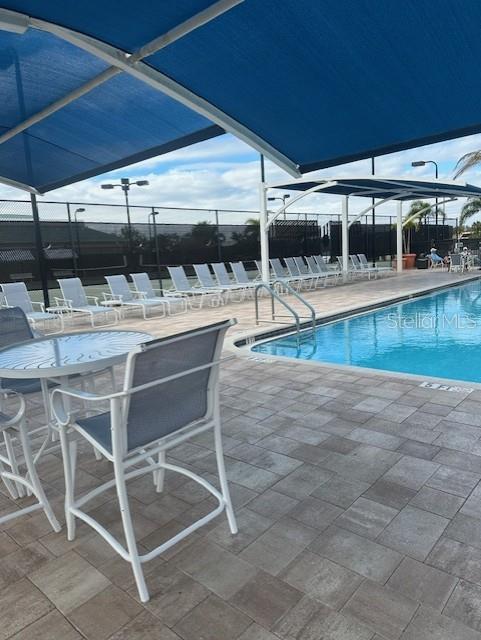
223	173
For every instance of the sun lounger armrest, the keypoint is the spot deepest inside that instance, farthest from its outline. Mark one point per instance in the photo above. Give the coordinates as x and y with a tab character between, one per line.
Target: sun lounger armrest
113	296
94	298
58	407
40	305
62	302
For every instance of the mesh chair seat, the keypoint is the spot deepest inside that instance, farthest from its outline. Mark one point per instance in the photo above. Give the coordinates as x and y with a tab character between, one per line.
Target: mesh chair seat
98	427
25	386
40	315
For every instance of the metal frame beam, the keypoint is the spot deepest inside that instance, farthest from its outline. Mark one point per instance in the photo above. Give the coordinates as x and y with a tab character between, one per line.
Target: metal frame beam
132	64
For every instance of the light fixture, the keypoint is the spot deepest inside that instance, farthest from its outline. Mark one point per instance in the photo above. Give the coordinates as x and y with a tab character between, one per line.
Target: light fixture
106	186
418	163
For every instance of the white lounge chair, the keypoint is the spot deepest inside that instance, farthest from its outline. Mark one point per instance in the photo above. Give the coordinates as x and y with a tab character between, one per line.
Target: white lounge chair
456	263
363	269
305	270
199	294
296	275
333	274
314	268
204	276
15	294
170	394
75	298
144	289
280	274
120	292
365	264
224	280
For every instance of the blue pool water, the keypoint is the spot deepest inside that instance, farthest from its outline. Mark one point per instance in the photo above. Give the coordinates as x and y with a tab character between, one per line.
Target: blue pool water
435	335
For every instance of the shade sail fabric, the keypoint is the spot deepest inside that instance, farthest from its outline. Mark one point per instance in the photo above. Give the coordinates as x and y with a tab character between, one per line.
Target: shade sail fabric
312	83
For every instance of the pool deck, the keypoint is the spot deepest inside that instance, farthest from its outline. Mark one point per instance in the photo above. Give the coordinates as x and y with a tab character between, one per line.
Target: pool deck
358	498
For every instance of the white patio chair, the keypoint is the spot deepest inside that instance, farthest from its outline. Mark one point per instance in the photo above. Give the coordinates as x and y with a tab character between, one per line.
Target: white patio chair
204	276
316	270
363	270
169	395
352	272
306	271
333	274
74	297
15	294
144	289
199	294
280	274
456	263
224	280
120	292
303	279
365	264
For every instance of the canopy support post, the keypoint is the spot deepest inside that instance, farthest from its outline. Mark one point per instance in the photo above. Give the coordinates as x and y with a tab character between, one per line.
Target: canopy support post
345	237
42	263
399	237
263	227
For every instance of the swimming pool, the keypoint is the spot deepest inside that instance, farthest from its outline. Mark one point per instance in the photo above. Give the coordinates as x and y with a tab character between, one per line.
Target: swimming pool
435	335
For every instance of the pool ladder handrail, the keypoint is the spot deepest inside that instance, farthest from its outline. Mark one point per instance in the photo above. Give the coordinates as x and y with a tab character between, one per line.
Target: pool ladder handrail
270	288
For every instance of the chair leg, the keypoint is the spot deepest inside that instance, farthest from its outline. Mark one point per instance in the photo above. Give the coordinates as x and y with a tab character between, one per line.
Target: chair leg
34	479
224	486
159	484
69	472
13	462
8	483
129	532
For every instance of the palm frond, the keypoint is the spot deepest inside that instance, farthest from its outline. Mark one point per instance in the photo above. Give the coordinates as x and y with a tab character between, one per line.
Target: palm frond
472	206
466	162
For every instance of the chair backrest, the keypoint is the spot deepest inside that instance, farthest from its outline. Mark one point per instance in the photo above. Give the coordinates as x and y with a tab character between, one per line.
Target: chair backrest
142	284
73	290
14	327
163	408
301	265
259	266
179	279
363	259
240	273
323	268
292	267
313	266
221	274
455	260
16	295
355	262
204	276
119	286
340	263
277	268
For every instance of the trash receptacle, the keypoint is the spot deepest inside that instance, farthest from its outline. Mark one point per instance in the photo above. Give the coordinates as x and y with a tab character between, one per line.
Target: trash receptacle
422	263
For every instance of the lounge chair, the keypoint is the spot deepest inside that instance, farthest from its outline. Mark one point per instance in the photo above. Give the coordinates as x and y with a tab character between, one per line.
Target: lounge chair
75	298
183	287
281	275
456	263
296	274
241	275
121	293
206	280
224	280
333	274
170	394
16	295
314	268
369	271
144	289
365	264
305	270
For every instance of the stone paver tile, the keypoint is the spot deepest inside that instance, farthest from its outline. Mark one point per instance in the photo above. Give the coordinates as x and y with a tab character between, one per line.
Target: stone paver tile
465	529
411	472
459	460
249	476
301	482
315	513
145	627
105	613
339	444
21	562
266	599
429	624
372	405
444	504
414	532
340	492
472	506
423	419
419	449
219	570
310	453
376	438
437	409
455	481
397	412
53	625
260	457
7	544
322	579
366	517
382	609
465	605
69	581
316	420
422	583
303	434
272	504
20	605
457	558
279	444
356	469
255	632
250	524
357	553
213	619
390	494
473	419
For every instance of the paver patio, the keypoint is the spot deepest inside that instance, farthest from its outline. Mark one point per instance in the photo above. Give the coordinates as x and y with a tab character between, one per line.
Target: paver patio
359	517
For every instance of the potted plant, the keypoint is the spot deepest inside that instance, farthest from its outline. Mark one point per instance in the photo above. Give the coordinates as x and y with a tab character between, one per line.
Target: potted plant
412	220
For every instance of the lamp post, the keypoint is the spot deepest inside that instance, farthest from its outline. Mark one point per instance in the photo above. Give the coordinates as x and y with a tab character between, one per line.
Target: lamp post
283	198
422	163
75	213
125	185
153	214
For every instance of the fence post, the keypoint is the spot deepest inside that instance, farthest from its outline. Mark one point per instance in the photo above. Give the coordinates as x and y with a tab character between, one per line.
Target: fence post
219	244
42	263
72	244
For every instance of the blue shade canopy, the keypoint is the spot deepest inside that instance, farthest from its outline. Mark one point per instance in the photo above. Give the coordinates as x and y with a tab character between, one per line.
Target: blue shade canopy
310	83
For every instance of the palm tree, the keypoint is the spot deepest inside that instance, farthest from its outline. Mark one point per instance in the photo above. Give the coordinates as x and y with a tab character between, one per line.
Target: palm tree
471	208
473	205
418	212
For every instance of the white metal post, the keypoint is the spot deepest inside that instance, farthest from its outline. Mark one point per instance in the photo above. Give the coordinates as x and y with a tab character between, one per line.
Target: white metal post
345	236
399	237
264	232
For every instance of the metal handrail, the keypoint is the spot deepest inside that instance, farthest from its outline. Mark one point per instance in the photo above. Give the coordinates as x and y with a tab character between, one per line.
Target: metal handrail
275	296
